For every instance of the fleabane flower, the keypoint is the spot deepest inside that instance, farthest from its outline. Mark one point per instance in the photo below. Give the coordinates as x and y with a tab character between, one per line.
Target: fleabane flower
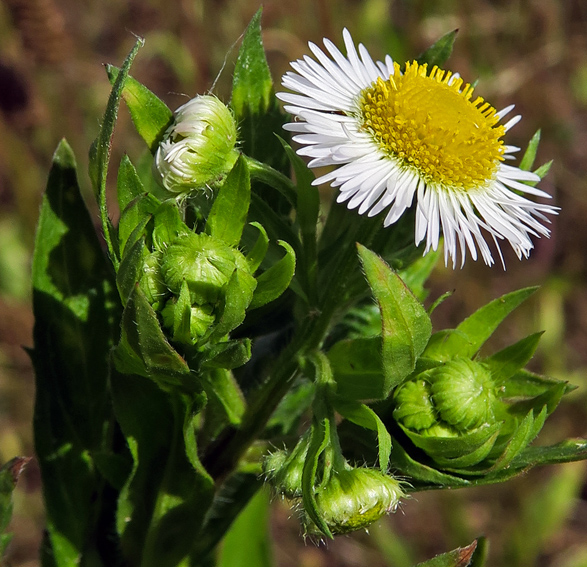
419	135
198	149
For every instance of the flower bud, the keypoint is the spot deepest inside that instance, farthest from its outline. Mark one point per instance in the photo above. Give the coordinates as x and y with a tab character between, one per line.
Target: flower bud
353	499
198	148
204	262
284	470
463	394
414	407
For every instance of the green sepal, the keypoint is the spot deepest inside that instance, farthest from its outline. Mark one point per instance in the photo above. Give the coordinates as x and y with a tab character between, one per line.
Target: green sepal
221	385
229	354
460	557
274	281
143	348
364	416
257	253
543	170
136	214
149	113
228	216
505	363
471	334
529	157
100	152
167	225
439	52
406	326
357	369
319	440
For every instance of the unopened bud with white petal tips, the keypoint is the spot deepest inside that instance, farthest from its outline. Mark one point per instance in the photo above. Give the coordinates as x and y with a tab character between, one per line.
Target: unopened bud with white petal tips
198	149
355	498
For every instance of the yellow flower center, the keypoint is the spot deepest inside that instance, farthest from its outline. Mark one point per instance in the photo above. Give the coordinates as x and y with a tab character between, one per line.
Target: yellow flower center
429	123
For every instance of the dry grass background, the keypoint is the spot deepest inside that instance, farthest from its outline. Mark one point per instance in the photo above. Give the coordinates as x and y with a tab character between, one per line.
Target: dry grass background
529	52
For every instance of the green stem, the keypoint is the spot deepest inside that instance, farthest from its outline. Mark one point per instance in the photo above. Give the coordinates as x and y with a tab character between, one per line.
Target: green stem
262	172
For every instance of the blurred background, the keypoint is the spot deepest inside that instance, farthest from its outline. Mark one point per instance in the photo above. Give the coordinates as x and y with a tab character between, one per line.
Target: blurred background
529	52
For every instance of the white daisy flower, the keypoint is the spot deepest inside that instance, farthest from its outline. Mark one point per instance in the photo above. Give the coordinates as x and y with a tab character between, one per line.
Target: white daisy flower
395	137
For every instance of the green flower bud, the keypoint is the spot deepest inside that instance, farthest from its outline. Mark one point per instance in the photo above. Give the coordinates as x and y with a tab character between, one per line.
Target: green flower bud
414	407
201	318
198	148
284	470
463	394
204	262
355	498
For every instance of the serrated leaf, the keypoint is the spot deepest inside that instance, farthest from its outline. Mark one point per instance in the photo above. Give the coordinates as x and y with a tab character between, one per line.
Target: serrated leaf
149	113
406	326
439	52
228	216
505	363
357	369
76	313
364	416
471	334
274	281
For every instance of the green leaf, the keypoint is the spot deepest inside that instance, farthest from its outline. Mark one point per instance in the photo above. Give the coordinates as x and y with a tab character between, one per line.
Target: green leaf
543	170
417	274
252	86
9	474
182	315
274	281
357	368
364	416
307	211
319	440
406	326
460	557
438	53
149	113
228	216
564	452
129	186
505	363
257	111
239	294
524	384
220	384
527	161
144	350
134	219
76	312
257	253
248	541
469	336
131	269
167	225
100	153
229	355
